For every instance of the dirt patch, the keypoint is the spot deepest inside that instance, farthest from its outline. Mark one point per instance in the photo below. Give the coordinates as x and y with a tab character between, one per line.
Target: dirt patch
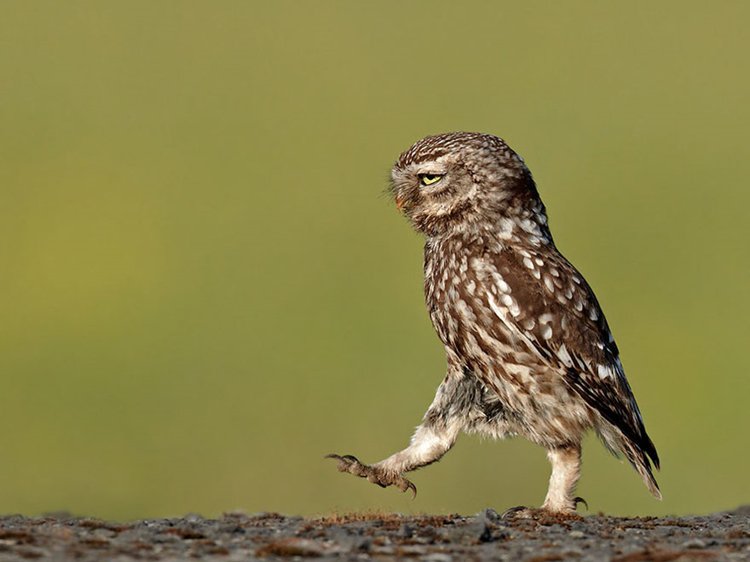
381	536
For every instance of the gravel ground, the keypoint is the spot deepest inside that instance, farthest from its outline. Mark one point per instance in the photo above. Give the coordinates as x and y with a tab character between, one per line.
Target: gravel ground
429	538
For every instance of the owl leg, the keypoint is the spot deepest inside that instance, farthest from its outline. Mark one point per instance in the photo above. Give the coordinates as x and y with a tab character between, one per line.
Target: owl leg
432	439
566	470
560	501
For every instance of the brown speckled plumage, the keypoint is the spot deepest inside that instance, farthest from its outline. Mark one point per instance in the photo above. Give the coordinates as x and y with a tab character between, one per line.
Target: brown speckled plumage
529	350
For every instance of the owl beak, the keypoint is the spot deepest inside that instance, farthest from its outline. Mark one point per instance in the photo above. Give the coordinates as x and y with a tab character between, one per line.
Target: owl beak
400	200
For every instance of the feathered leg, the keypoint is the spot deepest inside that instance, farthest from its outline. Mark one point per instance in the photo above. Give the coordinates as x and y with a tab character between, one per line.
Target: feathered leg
443	421
566	470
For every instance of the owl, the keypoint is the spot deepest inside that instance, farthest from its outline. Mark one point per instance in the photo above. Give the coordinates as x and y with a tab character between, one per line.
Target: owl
529	352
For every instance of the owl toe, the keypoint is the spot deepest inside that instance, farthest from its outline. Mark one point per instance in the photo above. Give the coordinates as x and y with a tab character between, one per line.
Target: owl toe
348	463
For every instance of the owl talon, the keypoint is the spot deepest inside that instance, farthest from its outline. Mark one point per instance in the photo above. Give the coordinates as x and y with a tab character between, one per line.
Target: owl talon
374	474
520	512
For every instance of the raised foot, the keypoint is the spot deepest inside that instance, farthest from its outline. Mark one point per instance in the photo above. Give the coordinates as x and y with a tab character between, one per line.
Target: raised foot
374	474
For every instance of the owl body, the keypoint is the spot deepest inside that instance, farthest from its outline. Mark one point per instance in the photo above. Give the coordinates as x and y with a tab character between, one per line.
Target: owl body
529	351
473	287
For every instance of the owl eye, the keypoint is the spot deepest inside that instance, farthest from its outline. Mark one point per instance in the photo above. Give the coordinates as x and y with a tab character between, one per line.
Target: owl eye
429	179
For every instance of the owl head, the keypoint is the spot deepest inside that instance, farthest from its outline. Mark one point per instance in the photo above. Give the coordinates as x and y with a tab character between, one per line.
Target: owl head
465	183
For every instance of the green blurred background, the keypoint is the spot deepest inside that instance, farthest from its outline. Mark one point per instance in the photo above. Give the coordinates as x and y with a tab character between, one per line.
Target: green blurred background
203	289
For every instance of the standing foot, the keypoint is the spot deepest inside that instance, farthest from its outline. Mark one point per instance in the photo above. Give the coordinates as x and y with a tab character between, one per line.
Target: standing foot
539	513
373	473
521	512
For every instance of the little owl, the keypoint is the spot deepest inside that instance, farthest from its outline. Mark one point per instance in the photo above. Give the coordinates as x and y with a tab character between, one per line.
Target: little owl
529	351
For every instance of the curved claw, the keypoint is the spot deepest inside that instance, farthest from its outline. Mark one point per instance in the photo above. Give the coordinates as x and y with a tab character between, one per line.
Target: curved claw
410	486
578	500
340	457
405	484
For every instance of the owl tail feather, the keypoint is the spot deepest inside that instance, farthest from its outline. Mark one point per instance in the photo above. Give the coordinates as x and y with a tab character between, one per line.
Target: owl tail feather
639	457
641	463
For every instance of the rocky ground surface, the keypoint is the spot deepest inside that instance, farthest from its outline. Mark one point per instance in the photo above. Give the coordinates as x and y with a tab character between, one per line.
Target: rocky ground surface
429	538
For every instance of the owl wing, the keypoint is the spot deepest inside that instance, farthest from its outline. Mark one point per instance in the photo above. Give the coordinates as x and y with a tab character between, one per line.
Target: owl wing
547	303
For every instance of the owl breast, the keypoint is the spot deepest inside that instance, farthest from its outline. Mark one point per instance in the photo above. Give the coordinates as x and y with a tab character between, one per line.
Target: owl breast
466	295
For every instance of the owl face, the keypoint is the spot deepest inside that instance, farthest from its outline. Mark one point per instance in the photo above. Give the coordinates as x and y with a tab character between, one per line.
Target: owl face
434	192
457	182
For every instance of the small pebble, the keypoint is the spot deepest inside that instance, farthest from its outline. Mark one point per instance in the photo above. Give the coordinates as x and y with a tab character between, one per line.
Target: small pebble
406	531
490	515
411	550
437	557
